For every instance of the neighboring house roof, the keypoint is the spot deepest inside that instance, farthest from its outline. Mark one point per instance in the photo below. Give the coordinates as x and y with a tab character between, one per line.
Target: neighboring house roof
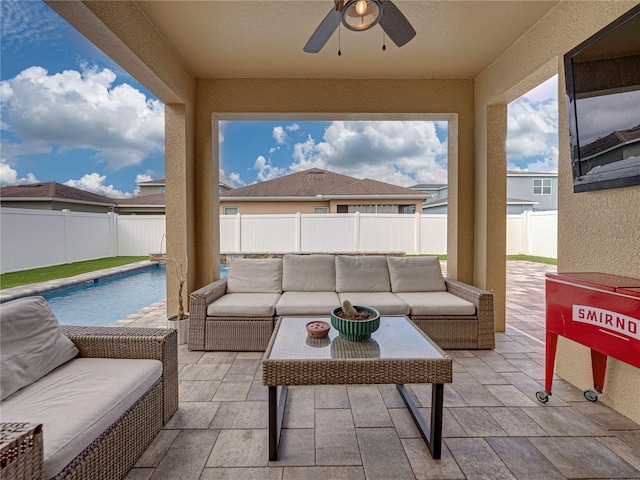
52	191
156	200
518	173
430	186
159	182
614	139
510	201
437	203
313	183
56	192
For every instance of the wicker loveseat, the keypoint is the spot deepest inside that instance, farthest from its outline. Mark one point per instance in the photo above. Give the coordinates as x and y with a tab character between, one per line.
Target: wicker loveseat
95	397
238	312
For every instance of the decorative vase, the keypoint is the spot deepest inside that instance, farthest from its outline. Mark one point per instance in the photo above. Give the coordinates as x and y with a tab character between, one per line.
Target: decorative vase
318	329
355	330
182	326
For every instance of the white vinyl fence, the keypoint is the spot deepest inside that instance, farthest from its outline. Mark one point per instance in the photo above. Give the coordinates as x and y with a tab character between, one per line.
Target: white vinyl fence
340	232
533	233
40	238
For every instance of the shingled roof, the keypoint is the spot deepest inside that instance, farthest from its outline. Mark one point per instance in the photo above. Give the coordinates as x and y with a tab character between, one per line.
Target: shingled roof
53	191
618	137
315	182
155	199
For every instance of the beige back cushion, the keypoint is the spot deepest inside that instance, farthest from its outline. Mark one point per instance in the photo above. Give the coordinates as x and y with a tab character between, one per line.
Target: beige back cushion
31	344
309	273
415	274
255	275
362	274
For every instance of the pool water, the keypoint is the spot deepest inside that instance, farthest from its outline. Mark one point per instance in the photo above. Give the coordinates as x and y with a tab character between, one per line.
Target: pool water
111	299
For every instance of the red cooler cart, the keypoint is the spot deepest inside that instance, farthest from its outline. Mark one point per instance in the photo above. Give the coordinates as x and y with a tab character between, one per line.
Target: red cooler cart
598	310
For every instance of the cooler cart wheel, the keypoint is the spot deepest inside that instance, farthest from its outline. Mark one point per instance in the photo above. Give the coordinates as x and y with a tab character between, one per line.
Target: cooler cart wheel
542	396
591	395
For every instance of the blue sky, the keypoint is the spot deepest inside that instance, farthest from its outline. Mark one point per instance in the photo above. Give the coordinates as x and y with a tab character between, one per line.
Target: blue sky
71	115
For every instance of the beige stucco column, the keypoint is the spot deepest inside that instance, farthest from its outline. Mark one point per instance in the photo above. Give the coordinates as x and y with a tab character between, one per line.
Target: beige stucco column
491	219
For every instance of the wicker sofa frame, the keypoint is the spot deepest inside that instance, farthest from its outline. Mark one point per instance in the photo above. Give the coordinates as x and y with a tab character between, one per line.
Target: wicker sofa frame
118	448
253	333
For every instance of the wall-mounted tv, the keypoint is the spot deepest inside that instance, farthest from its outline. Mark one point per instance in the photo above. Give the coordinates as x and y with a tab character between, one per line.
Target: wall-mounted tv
603	101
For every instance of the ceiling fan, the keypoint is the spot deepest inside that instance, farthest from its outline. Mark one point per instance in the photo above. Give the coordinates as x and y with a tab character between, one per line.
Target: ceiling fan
361	15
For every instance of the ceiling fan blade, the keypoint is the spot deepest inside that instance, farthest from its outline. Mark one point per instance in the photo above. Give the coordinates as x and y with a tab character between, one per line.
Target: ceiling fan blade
323	32
395	24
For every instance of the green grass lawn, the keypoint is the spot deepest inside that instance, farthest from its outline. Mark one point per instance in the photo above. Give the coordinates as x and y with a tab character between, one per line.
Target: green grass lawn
25	277
528	258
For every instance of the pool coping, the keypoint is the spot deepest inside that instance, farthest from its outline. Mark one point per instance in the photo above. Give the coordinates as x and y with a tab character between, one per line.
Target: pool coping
52	286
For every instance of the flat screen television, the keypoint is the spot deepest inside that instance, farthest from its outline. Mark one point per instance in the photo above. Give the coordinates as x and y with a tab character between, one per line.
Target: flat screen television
603	101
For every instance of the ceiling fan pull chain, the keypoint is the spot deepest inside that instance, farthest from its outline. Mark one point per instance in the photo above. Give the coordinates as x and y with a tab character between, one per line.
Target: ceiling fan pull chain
384	41
339	39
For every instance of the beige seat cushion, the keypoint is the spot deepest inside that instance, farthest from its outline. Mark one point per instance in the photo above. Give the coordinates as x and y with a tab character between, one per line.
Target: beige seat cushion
31	344
309	273
244	305
255	275
362	274
415	274
436	303
307	303
385	302
78	401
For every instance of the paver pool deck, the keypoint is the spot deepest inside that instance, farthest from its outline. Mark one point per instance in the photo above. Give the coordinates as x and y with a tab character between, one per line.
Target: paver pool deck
493	426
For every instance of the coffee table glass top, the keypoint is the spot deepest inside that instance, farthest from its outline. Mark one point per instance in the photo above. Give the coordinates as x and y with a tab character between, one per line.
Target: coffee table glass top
397	337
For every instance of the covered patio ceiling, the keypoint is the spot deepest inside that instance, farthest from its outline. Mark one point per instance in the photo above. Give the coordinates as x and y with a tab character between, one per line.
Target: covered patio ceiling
264	39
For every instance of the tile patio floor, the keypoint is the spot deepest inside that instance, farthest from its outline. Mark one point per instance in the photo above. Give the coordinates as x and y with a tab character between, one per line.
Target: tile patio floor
493	426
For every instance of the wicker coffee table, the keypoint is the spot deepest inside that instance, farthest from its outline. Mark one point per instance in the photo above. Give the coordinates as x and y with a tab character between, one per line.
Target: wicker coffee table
398	352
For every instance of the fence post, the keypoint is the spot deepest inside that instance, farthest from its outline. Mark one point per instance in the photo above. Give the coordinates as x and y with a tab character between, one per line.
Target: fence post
356	216
113	233
238	233
298	240
526	219
416	243
67	237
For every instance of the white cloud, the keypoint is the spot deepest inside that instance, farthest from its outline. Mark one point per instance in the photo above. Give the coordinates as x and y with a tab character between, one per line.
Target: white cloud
83	110
399	152
266	171
279	135
29	23
532	130
9	176
232	179
547	164
599	116
94	182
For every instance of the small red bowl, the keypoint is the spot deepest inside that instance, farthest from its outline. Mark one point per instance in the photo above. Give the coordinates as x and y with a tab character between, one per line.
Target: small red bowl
318	329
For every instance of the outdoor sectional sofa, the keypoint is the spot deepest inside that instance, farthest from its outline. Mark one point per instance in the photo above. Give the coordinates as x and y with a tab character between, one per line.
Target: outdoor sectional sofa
238	313
94	397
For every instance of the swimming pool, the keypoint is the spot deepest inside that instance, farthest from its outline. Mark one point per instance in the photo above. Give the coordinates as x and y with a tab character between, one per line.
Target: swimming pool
105	301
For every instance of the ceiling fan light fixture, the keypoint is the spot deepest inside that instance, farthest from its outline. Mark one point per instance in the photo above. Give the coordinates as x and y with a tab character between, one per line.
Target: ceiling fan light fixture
360	15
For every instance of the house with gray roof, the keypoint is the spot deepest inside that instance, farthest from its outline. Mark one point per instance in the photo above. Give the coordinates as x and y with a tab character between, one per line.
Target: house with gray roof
320	191
526	191
56	196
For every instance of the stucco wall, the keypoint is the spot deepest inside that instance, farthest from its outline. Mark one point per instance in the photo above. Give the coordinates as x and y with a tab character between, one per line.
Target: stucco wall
598	231
252	208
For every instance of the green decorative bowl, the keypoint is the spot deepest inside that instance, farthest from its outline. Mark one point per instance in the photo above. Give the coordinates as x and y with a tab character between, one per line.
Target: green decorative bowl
355	330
